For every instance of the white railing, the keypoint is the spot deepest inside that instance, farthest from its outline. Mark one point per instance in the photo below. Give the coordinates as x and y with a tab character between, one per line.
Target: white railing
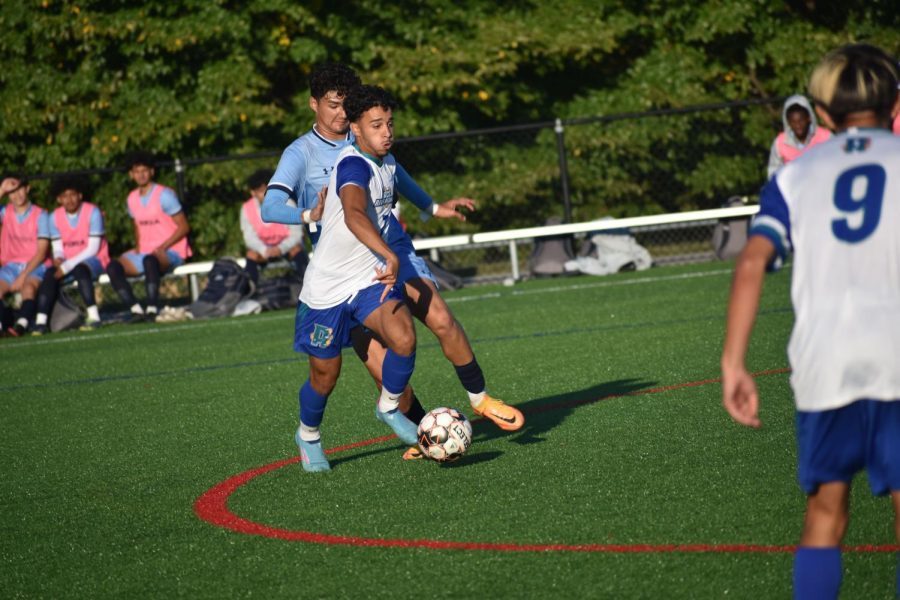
511	236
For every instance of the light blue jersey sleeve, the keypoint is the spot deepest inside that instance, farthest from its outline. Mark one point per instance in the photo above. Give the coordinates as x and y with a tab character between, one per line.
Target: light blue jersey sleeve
2	213
169	202
43	226
773	222
410	190
52	229
96	227
285	185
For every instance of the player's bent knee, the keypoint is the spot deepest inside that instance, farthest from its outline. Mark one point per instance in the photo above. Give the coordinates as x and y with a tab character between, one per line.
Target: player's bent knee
441	322
403	342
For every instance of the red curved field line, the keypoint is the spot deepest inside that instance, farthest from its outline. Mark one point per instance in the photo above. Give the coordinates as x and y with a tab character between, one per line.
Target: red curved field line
212	507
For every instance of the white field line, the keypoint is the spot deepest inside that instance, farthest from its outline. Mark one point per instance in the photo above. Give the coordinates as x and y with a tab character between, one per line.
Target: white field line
223	322
587	286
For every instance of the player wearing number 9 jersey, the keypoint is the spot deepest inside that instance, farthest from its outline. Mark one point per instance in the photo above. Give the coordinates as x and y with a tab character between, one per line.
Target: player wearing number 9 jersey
837	209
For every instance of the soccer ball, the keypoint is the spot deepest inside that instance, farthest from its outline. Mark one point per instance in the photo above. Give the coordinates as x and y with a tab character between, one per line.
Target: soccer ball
444	434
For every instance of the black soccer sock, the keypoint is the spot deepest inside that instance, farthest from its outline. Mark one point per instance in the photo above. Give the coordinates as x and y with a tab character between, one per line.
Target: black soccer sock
29	307
152	278
5	315
119	281
252	269
300	262
84	277
471	377
416	411
47	293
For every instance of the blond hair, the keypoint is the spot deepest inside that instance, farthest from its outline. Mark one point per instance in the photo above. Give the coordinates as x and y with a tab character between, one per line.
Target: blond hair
855	78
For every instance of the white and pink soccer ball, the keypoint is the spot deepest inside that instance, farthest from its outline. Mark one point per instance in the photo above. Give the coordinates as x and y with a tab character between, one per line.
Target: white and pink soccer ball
444	434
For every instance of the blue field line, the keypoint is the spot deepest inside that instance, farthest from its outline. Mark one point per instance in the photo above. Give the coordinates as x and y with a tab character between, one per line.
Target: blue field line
430	344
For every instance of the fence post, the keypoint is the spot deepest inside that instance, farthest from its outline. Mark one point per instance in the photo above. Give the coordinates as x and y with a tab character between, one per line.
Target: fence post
179	178
563	171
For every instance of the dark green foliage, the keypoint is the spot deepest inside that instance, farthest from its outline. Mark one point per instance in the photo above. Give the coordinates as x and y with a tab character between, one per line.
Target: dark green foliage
82	83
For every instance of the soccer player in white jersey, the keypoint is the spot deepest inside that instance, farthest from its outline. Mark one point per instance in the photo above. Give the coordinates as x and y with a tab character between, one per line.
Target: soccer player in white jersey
352	278
304	169
837	208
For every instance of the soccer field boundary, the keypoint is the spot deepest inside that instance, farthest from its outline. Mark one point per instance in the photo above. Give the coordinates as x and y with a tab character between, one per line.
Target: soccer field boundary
212	507
428	344
285	314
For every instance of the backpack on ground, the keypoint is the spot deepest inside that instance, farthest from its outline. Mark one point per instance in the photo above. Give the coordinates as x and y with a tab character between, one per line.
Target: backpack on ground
551	253
274	293
66	314
226	286
730	235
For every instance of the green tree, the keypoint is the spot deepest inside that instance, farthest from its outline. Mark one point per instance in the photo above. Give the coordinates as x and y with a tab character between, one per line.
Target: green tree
84	82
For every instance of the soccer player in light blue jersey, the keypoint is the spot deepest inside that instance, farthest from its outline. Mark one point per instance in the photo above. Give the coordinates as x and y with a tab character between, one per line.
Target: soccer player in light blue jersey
837	208
302	173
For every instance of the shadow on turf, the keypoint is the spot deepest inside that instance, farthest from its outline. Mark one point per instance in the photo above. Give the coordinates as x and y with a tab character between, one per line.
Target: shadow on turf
543	414
465	462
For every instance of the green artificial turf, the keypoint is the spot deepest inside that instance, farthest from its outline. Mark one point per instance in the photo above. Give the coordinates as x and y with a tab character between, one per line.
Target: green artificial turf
112	436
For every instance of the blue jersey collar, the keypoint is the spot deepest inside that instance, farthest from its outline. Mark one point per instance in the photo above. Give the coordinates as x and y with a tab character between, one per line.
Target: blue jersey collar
326	140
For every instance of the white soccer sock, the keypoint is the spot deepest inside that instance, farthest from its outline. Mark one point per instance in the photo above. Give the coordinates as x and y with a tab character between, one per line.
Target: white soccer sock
136	309
388	401
40	319
23	322
309	434
93	313
477	399
151	310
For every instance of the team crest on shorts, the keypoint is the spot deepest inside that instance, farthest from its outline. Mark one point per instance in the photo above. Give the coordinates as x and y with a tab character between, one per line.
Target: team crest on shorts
321	336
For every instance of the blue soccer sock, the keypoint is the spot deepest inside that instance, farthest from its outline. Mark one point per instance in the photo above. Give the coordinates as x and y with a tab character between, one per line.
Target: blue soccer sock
817	573
312	405
396	371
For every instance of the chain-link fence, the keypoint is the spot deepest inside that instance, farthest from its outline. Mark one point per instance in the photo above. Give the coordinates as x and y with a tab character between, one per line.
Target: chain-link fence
567	170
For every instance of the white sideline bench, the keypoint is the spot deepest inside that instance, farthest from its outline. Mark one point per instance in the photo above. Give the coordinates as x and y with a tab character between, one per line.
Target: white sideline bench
194	269
191	270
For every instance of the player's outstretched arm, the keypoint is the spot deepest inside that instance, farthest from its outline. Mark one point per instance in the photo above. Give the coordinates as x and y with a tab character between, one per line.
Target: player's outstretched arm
739	395
411	190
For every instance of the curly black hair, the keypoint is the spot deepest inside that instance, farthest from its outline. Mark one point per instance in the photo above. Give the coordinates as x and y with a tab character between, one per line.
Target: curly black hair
364	97
20	175
332	77
258	178
67	182
140	157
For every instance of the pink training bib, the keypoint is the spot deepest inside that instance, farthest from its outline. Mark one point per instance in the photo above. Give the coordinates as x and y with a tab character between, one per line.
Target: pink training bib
19	241
75	239
271	234
789	153
153	224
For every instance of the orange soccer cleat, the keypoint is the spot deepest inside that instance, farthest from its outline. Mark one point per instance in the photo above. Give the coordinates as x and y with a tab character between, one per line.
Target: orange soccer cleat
504	416
413	453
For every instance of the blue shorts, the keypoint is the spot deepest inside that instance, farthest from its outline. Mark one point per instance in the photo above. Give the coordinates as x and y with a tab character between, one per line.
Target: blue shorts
137	259
93	264
324	333
11	271
411	265
834	445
